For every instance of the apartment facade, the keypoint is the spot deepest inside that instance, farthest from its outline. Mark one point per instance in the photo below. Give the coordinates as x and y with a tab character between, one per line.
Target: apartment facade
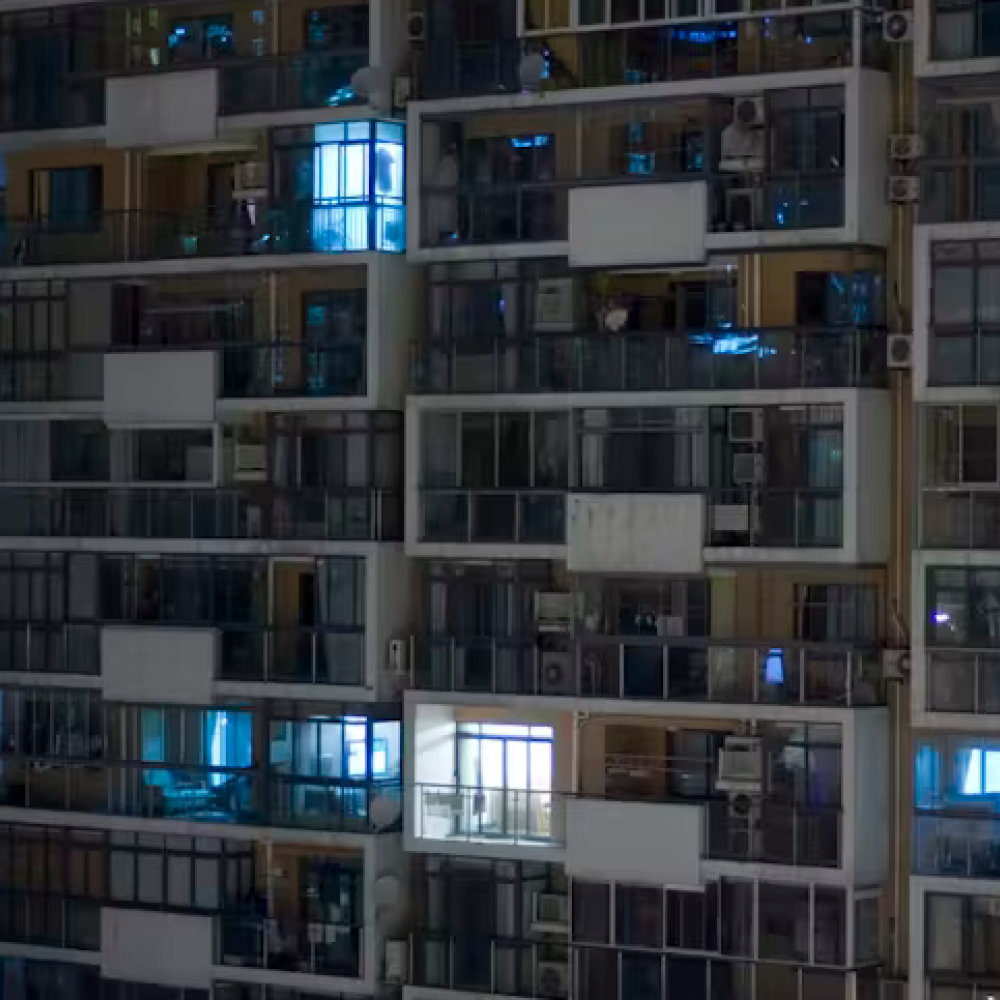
468	525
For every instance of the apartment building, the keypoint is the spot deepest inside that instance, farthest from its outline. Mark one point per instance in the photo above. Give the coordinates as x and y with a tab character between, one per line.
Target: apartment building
205	315
468	526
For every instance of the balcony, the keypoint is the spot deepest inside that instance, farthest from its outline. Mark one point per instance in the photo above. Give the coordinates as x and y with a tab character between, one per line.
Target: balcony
147	235
738	518
955	845
770	833
50	647
956	518
50	921
651	668
284	944
651	361
710	49
249	513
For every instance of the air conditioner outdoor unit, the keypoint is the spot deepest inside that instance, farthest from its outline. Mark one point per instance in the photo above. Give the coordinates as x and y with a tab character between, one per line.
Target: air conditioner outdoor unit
402	90
904	189
250	180
905	146
550	913
554	304
895	664
899	350
731	518
556	673
553	612
749	110
744	208
250	463
748	469
746	425
552	979
741	765
897	26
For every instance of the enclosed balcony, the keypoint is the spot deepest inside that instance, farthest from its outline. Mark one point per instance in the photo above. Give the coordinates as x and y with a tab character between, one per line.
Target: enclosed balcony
330	188
503	177
474	48
56	62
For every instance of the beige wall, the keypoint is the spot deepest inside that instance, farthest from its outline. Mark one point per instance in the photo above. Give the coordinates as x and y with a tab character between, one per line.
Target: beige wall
113	163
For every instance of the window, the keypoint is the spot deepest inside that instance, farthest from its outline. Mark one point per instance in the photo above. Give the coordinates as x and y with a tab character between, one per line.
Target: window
960	446
591	912
341	27
68	196
963	606
827	612
334	336
639	916
962	932
784	922
197	38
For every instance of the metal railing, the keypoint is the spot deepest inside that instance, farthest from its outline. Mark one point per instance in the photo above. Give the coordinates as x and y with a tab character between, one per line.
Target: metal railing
766	832
50	647
963	680
956	518
635	361
803	517
206	513
288	944
536	211
147	234
322	804
651	668
955	845
776	43
474	815
291	655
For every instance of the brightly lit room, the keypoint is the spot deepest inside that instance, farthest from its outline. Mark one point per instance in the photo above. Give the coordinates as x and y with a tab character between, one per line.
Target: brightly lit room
489	776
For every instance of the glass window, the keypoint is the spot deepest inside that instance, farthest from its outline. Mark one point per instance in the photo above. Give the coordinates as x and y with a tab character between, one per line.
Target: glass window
591	912
639	916
784	922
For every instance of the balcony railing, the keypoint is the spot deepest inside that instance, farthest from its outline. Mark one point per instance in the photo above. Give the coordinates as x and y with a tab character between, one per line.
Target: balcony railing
956	518
247	370
477	964
652	668
963	680
778	43
50	647
956	845
751	517
523	517
637	361
537	211
960	191
252	84
775	833
292	655
264	513
285	944
146	234
483	815
50	921
768	833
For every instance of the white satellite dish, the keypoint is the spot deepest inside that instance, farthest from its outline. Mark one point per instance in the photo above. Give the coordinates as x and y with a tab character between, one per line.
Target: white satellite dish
384	810
370	85
531	71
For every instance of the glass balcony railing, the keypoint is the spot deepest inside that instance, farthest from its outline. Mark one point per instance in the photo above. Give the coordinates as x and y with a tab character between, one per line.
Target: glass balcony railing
285	944
350	806
771	833
146	234
496	516
247	370
651	668
956	845
748	517
776	43
247	513
291	655
50	647
50	921
636	361
537	211
956	518
963	680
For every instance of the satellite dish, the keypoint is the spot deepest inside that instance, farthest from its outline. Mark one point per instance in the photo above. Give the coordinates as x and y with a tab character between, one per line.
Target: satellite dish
369	84
613	318
531	71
